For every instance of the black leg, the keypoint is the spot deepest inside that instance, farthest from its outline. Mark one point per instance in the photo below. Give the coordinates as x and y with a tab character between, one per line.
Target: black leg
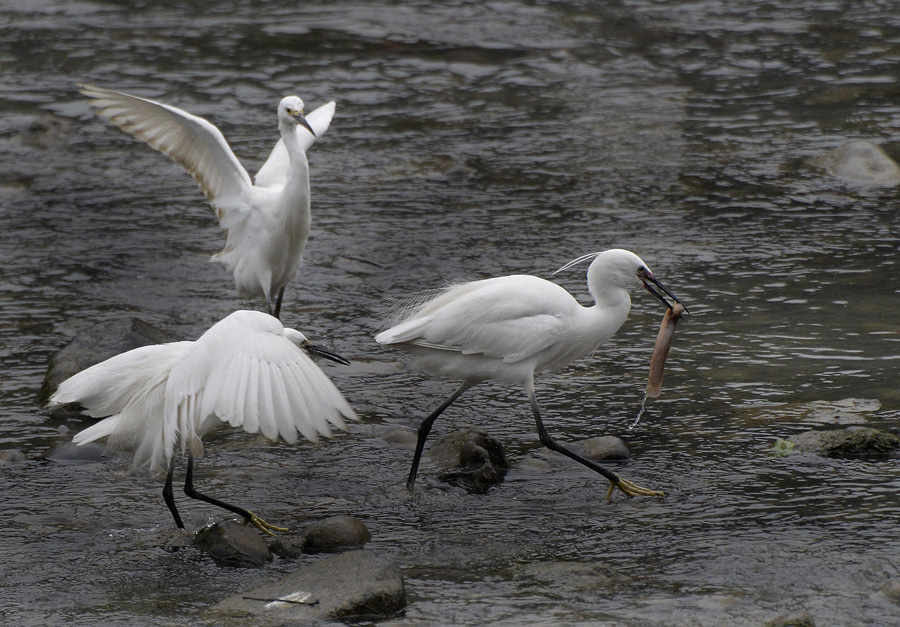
249	517
551	444
424	429
169	498
277	313
615	481
191	492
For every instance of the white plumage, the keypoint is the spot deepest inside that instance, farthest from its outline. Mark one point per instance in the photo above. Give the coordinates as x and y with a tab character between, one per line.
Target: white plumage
268	222
508	328
247	370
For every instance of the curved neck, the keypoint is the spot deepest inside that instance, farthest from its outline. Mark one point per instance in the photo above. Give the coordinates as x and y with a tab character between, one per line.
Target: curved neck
298	173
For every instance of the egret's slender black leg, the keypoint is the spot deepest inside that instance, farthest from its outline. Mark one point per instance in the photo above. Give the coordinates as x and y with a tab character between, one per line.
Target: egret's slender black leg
169	498
628	488
425	428
277	313
249	517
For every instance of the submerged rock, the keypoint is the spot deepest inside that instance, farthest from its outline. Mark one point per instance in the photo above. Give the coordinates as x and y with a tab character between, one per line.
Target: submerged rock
93	345
71	453
603	447
794	619
331	534
233	544
12	456
859	442
470	458
353	584
862	162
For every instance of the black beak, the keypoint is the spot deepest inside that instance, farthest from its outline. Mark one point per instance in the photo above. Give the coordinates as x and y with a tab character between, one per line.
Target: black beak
302	122
318	351
649	280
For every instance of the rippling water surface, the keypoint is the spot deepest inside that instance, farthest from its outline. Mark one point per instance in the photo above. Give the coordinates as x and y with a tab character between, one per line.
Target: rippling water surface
471	140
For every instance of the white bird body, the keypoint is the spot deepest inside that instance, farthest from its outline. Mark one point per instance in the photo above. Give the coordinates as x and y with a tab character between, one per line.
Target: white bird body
247	370
268	222
508	328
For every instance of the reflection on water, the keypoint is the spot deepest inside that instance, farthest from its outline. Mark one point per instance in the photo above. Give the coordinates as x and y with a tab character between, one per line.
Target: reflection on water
473	140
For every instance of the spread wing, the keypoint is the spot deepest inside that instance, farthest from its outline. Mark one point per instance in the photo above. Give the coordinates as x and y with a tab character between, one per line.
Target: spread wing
186	139
512	318
274	171
245	372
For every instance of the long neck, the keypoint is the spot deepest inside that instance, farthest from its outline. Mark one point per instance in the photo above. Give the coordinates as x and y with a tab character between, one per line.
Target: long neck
297	183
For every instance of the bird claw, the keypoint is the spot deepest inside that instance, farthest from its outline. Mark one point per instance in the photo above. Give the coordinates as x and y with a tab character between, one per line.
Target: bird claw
629	489
262	525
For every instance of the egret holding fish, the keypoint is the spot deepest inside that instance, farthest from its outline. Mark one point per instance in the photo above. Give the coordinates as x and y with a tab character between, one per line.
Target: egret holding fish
506	329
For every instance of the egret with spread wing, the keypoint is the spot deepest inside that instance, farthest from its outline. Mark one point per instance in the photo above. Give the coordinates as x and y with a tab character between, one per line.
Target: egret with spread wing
247	370
508	328
267	223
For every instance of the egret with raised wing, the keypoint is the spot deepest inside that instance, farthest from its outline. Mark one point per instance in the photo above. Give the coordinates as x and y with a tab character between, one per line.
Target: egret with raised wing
508	328
267	223
247	370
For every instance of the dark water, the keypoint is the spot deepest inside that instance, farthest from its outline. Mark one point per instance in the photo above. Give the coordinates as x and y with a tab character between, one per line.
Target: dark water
471	140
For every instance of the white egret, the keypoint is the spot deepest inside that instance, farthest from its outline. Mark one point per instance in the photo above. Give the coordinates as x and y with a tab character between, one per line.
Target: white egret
267	223
508	328
247	370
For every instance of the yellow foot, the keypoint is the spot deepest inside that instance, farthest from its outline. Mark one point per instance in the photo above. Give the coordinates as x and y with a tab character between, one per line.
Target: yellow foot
629	489
262	525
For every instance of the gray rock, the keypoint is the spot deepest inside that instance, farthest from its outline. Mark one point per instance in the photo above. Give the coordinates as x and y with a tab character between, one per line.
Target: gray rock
469	458
858	442
335	533
352	584
794	619
891	590
862	162
233	544
402	436
71	453
93	345
604	447
12	456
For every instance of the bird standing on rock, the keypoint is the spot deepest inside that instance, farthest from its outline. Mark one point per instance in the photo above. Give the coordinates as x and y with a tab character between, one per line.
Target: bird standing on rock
247	370
508	328
267	223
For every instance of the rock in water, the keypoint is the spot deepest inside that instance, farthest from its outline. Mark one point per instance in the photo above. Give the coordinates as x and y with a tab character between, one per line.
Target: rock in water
232	544
353	584
794	619
470	458
331	534
98	343
604	447
857	442
862	162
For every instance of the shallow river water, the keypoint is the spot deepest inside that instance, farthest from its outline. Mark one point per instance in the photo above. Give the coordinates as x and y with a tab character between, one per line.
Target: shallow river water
474	139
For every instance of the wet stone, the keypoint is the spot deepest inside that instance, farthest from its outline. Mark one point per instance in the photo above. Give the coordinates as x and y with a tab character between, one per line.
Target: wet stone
12	456
891	590
332	534
856	442
605	447
355	584
91	346
794	619
71	453
232	544
862	162
402	436
469	458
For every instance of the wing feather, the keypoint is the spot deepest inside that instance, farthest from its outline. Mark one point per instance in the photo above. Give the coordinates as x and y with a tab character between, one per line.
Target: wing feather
187	139
511	318
244	371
